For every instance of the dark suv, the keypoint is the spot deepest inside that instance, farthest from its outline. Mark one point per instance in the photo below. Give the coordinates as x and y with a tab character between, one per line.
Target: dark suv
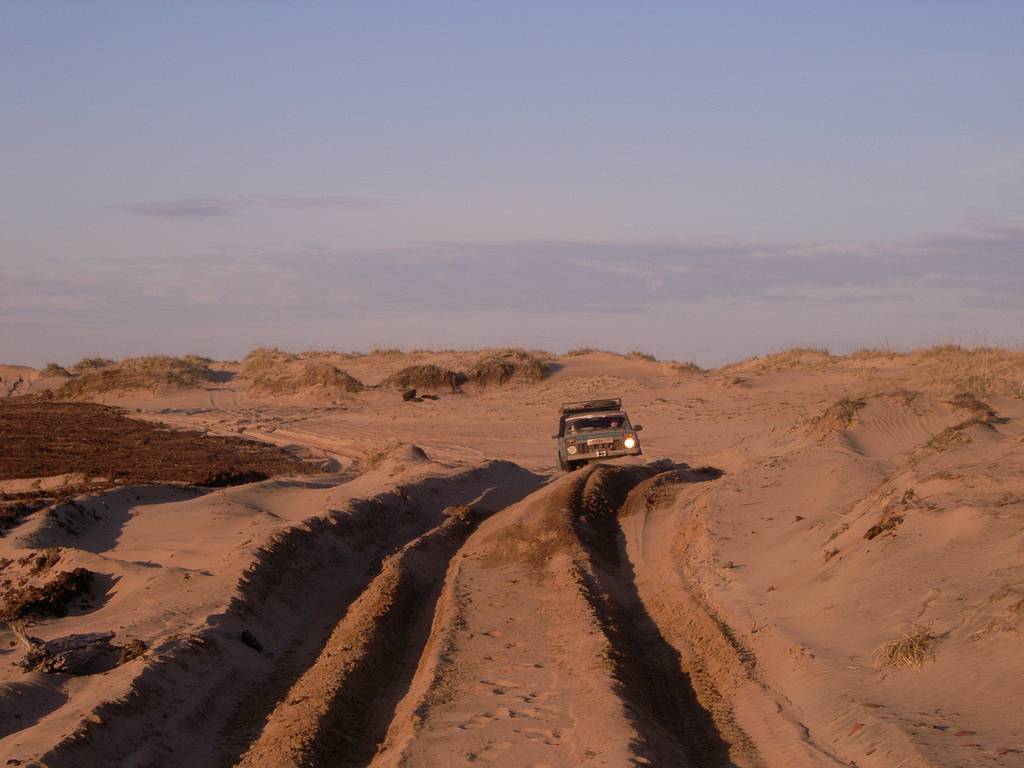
592	430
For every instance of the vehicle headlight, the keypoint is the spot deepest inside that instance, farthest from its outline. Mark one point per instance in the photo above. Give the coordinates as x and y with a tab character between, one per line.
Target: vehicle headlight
629	442
571	449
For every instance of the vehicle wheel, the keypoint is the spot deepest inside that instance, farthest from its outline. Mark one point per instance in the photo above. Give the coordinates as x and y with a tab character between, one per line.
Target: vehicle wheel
562	466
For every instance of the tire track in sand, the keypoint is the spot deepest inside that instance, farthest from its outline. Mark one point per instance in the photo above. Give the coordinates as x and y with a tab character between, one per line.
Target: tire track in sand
543	653
340	709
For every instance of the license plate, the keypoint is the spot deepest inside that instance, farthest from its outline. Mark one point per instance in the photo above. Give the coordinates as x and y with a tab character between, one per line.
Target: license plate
600	453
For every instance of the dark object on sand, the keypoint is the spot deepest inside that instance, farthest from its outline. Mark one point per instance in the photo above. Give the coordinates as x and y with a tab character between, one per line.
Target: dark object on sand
409	395
249	639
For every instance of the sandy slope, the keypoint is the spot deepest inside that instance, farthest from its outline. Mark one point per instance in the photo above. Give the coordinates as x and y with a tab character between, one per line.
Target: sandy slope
717	603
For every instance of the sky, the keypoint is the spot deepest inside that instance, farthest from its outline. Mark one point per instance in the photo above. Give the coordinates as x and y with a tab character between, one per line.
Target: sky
698	180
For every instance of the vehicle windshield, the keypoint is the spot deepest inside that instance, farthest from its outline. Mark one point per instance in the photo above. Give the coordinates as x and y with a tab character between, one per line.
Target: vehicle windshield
596	423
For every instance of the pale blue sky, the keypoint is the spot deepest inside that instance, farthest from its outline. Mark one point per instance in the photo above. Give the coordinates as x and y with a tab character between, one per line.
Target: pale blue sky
701	180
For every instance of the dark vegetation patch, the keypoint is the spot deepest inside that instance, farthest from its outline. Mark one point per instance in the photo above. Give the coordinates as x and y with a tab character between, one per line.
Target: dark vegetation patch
50	599
91	364
687	367
41	560
636	354
44	438
426	377
981	411
508	365
52	370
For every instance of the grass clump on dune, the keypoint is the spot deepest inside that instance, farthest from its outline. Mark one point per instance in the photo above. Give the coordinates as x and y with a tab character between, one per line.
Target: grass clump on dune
795	358
978	370
687	367
426	377
152	372
277	372
911	650
91	364
52	370
636	354
507	365
325	375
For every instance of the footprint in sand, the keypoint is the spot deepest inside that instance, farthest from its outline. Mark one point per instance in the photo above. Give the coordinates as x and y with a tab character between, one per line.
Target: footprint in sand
551	737
477	721
493	751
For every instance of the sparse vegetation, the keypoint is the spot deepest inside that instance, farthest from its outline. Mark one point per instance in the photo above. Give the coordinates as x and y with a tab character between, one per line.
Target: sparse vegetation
638	355
508	365
426	377
874	353
910	650
276	372
796	358
967	401
153	372
91	364
52	370
51	599
838	417
976	370
688	368
578	351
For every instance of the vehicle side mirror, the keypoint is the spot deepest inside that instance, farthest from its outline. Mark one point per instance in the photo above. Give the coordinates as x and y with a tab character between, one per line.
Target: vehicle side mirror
638	427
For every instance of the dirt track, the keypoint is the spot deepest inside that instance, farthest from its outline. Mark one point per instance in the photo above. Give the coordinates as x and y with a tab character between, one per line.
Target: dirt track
414	631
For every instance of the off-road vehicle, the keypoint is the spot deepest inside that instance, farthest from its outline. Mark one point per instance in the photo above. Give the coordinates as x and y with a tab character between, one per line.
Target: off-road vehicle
592	430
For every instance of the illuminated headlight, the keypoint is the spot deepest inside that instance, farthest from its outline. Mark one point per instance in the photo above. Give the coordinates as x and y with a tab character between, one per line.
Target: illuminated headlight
571	450
629	442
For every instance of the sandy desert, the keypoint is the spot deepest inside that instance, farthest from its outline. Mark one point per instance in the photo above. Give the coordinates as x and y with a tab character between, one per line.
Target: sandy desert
817	561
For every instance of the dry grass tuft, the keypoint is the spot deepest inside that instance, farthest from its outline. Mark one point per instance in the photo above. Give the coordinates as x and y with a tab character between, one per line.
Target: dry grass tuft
874	353
426	377
579	351
687	367
910	650
507	365
52	370
975	370
838	417
636	354
153	372
277	372
981	411
796	358
91	364
326	376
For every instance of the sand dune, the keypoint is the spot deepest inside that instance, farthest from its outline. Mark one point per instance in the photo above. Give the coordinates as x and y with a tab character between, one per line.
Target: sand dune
817	562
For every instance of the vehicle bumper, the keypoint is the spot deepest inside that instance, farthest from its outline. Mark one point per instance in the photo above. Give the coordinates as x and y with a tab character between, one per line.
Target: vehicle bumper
595	455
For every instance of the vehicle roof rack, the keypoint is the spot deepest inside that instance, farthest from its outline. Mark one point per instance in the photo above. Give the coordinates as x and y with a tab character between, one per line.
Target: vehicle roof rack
584	406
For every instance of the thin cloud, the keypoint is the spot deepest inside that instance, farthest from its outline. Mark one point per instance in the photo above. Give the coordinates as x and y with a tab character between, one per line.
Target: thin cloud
205	208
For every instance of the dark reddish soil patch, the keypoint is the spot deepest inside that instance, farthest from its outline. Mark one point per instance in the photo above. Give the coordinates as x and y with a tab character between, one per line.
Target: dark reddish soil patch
40	438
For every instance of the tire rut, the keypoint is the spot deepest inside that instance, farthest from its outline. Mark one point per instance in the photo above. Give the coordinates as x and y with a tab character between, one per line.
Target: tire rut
339	710
674	728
